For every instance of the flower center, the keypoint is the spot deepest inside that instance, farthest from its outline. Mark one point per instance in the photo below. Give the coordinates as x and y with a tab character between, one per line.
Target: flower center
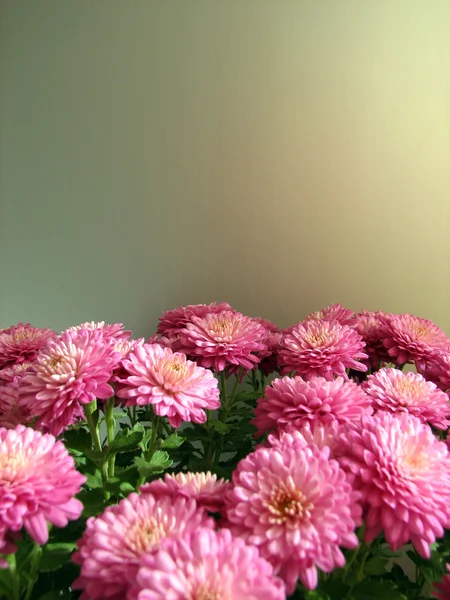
146	535
410	391
10	464
317	339
287	504
23	334
414	459
207	591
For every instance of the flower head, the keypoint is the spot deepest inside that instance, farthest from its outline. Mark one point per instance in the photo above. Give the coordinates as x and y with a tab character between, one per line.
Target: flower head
173	321
403	473
436	368
222	340
11	414
21	343
206	489
371	326
70	371
176	387
114	543
269	356
206	565
38	483
323	348
309	432
412	339
442	589
394	391
292	401
296	506
334	312
115	331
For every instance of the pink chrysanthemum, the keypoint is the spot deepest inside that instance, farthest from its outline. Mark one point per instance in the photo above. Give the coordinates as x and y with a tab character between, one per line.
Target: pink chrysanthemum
371	326
38	482
323	348
394	391
206	565
173	321
11	414
176	387
161	340
69	372
296	506
403	473
114	543
206	489
334	312
21	343
412	339
114	331
292	401
310	432
222	340
442	589
269	357
436	368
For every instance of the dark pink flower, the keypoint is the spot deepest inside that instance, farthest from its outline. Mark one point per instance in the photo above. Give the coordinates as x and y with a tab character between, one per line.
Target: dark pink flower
206	565
176	387
403	474
113	544
227	339
436	368
334	312
269	356
21	343
442	589
371	326
38	483
323	348
173	321
11	414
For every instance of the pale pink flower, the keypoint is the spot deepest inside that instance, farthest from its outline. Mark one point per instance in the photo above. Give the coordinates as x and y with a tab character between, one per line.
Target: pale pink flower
297	507
38	483
403	473
323	348
412	339
442	589
114	543
21	343
206	489
436	368
371	326
334	312
227	339
114	331
173	321
394	391
69	372
176	387
292	401
206	565
309	432
162	340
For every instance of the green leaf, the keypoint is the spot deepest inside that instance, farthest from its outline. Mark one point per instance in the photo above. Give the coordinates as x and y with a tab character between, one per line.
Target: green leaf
316	595
158	463
127	439
77	439
220	427
377	589
56	595
172	441
94	480
55	555
93	502
375	566
119	413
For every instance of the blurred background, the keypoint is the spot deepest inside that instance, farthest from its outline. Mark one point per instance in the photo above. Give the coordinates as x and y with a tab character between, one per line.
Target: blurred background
277	155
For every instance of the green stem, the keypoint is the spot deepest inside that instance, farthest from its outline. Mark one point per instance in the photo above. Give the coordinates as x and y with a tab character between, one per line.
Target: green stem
223	387
255	381
36	554
89	409
131	410
263	382
14	575
236	383
110	432
151	448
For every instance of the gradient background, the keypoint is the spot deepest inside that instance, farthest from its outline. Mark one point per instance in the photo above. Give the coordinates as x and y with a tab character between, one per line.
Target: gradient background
280	155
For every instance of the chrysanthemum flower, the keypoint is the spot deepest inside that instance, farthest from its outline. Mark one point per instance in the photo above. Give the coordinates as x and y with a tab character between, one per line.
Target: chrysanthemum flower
161	340
38	482
115	331
403	473
323	348
114	543
173	321
269	356
227	339
292	401
394	391
296	506
412	339
11	414
436	368
21	343
371	327
176	387
309	432
206	565
206	489
70	371
334	312
442	589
